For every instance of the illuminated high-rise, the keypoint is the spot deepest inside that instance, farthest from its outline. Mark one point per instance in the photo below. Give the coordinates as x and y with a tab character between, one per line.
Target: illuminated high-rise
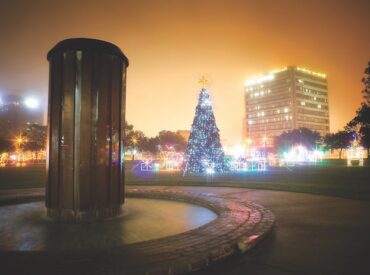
283	100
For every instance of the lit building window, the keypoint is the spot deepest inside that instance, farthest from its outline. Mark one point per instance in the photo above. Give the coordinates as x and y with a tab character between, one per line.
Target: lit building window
303	103
286	110
319	106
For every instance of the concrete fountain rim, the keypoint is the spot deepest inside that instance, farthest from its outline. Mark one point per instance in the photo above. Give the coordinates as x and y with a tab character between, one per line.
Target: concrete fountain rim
239	226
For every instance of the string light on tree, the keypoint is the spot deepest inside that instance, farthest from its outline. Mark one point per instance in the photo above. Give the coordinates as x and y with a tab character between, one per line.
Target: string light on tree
204	152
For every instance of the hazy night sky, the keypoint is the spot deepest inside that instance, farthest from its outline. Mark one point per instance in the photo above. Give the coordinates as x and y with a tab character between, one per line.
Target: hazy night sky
170	44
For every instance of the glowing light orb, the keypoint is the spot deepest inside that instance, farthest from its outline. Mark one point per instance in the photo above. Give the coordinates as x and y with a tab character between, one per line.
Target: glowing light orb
210	170
31	103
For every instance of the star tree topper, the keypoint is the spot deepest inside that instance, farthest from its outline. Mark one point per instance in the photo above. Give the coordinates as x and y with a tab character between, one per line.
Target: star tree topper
203	81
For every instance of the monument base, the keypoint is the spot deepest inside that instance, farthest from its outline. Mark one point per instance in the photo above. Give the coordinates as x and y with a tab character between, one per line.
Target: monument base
70	215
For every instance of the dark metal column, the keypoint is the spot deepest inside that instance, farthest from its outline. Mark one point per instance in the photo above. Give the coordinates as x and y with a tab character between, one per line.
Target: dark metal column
87	94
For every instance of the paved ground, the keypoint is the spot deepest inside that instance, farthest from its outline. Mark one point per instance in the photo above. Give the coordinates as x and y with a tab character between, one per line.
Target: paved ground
313	235
25	227
238	227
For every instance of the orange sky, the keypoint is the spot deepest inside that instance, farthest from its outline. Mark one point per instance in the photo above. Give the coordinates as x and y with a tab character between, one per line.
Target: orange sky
170	44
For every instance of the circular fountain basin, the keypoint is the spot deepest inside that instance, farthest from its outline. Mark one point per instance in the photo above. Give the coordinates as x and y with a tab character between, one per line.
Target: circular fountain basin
25	227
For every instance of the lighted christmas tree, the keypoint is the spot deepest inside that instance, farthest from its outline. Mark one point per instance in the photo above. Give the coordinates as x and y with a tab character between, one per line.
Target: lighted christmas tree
204	151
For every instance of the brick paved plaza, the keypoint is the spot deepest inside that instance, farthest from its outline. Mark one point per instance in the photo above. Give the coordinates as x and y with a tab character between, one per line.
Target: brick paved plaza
313	234
238	227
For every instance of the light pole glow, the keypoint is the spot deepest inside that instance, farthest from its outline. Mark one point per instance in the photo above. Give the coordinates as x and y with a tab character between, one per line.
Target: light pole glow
31	103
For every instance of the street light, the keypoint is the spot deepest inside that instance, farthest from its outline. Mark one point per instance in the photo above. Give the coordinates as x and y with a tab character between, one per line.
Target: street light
19	141
31	103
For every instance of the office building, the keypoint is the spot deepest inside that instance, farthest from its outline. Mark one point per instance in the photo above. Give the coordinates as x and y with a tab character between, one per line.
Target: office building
284	100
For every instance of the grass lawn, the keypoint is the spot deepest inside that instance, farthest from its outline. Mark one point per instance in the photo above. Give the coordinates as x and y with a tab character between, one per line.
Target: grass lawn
333	179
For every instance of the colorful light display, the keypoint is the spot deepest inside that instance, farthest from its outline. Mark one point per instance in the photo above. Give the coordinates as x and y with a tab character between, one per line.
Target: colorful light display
22	158
204	152
300	154
168	161
242	159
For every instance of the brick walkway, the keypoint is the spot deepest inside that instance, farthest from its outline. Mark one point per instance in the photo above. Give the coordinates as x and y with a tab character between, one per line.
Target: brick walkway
239	226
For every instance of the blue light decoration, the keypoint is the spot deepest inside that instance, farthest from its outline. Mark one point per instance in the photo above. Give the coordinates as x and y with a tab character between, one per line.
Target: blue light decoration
204	152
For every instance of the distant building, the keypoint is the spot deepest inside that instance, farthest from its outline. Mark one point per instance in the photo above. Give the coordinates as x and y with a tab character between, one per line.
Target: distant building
283	100
16	113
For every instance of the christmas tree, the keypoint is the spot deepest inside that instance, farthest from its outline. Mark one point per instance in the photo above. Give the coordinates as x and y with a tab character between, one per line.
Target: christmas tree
204	151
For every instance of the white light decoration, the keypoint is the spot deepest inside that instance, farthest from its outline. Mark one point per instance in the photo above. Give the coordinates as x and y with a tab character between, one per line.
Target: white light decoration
31	103
355	153
247	159
300	154
169	161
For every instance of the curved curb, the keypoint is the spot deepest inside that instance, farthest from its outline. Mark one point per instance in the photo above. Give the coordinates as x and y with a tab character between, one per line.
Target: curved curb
239	226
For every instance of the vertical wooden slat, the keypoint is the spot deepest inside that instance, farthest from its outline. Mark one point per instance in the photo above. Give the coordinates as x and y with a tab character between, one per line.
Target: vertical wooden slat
85	144
115	103
77	130
69	80
109	182
55	109
96	61
102	186
123	121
